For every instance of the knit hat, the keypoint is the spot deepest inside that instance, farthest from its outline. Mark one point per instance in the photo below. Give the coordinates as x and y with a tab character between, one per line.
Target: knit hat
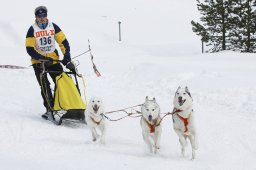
41	10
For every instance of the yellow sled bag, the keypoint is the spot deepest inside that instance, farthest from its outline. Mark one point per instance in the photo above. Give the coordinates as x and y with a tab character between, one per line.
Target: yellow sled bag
67	96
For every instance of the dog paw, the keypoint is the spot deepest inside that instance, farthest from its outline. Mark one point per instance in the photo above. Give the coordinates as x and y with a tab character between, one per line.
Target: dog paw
156	151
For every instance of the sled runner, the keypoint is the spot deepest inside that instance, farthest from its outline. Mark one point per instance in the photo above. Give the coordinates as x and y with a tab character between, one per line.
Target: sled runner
68	104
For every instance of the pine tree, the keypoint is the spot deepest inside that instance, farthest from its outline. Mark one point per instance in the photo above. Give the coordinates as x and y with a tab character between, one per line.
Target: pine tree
215	21
236	26
227	24
243	30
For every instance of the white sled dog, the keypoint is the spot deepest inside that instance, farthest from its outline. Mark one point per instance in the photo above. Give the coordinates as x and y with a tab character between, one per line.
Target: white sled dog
183	120
150	124
95	119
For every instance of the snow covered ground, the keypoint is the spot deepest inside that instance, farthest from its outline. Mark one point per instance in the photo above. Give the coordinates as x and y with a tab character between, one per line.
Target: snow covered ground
158	53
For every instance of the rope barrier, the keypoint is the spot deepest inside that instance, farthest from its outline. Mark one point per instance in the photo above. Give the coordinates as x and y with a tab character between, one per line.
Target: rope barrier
12	67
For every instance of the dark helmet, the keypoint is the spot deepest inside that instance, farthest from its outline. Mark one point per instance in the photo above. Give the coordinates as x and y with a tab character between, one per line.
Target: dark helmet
41	10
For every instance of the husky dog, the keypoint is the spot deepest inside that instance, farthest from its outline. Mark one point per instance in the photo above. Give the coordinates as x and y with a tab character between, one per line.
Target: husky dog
183	119
95	119
150	124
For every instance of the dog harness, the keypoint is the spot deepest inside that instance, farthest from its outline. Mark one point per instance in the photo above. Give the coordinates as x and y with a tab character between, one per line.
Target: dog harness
185	120
152	127
94	121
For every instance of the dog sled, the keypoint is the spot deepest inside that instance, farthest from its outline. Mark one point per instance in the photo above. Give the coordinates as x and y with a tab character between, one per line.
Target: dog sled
68	104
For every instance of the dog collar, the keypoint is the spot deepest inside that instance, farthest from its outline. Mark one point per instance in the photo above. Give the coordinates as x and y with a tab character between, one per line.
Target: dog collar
177	110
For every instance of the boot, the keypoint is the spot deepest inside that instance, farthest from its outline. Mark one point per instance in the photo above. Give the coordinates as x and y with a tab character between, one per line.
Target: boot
47	115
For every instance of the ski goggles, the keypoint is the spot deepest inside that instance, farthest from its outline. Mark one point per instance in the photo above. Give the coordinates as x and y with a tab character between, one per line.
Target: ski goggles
42	15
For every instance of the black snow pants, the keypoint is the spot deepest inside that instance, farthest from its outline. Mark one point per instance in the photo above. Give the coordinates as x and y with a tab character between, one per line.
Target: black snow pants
44	83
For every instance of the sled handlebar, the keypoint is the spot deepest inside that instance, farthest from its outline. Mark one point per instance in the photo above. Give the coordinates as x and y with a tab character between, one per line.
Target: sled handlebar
58	72
67	72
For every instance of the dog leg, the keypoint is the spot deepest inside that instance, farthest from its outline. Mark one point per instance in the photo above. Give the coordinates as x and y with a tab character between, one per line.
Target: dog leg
156	149
152	144
157	141
182	138
182	148
182	151
94	134
103	132
147	141
193	154
193	141
182	141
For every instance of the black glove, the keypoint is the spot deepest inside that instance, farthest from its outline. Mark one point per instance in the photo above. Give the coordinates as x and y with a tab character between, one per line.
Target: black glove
66	59
48	62
71	67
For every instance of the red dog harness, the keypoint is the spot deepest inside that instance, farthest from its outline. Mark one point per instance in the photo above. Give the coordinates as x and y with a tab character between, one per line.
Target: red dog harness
185	120
152	127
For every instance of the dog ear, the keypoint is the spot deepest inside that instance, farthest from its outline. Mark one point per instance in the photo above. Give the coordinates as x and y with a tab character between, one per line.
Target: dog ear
154	99
186	89
146	99
177	90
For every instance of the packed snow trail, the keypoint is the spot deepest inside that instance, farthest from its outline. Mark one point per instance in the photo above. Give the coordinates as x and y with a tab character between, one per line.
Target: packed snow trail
224	109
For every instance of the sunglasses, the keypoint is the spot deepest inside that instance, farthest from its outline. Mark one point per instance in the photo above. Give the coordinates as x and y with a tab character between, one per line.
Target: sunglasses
41	15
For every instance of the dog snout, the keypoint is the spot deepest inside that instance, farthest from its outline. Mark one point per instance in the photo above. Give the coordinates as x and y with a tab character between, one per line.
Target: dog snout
95	108
180	99
150	117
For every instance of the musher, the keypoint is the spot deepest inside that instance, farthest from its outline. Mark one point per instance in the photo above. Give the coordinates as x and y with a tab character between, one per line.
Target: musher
40	45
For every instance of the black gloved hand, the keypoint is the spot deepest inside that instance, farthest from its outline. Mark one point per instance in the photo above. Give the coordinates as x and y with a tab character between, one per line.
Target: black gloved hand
71	67
48	62
66	59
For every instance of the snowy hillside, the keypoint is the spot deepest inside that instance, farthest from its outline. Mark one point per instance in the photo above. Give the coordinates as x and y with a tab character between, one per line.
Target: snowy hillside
158	53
